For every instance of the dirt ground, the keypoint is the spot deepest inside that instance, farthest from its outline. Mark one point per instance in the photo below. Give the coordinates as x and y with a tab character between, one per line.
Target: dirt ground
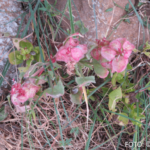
106	21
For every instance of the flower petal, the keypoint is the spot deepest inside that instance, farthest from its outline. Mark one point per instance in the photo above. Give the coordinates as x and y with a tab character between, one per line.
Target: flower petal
83	48
105	63
108	53
77	53
119	64
72	42
96	53
102	42
63	54
128	47
116	45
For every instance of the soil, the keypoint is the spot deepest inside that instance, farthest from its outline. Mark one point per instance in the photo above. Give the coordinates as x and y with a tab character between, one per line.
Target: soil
83	10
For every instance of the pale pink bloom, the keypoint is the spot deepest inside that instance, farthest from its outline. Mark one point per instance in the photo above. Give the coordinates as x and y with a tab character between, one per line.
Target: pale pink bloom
83	48
113	55
30	89
119	64
96	53
64	54
128	47
21	93
71	52
102	42
122	46
72	42
78	52
116	45
108	53
105	63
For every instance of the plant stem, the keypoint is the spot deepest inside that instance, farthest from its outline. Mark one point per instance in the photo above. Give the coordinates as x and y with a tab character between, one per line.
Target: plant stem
86	100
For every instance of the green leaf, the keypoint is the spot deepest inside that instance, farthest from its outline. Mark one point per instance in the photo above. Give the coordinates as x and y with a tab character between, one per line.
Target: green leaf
122	120
140	4
116	77
56	91
129	67
83	81
127	20
3	115
51	74
136	51
127	7
147	54
137	116
29	62
147	46
85	64
81	27
109	9
88	55
23	69
77	96
13	58
99	69
114	97
148	84
26	45
37	57
16	42
75	131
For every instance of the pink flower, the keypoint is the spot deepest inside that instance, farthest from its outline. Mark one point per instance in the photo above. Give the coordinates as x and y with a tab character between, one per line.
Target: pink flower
78	52
108	53
122	46
119	64
103	42
72	51
128	47
64	54
113	55
105	63
21	93
72	42
30	89
96	53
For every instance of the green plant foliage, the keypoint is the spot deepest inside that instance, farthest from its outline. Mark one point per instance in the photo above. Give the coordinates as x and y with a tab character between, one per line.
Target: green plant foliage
127	7
3	114
82	28
66	143
25	45
56	91
25	52
122	120
98	69
84	81
76	95
13	59
134	113
114	97
75	131
37	57
148	85
117	77
109	9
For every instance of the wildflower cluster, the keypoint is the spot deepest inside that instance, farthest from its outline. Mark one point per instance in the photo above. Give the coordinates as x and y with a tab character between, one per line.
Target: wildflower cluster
71	51
21	93
113	55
